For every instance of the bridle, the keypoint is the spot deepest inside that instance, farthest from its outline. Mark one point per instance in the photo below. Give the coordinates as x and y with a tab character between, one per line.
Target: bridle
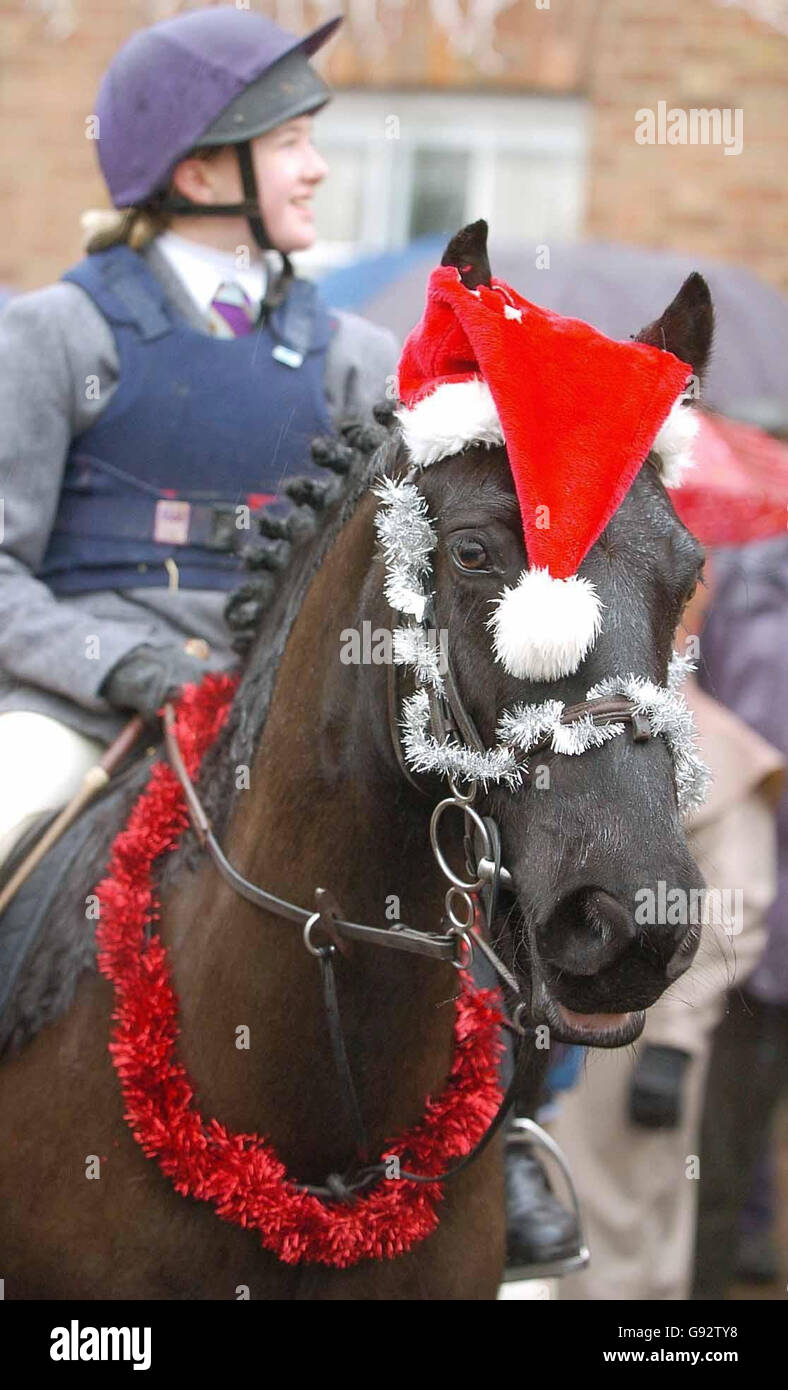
441	737
470	904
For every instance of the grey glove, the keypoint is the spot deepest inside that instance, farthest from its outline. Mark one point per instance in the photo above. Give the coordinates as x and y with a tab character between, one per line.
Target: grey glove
149	676
655	1094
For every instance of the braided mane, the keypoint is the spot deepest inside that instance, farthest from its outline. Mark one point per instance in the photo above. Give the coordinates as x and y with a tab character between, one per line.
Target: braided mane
283	560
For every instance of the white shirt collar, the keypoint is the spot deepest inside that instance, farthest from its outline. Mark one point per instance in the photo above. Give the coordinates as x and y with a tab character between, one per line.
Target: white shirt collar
202	269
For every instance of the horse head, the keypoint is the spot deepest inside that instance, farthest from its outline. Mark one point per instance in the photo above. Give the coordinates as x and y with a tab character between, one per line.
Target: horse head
585	838
580	753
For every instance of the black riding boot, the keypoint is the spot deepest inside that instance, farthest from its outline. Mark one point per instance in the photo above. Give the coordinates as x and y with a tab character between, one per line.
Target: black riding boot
539	1229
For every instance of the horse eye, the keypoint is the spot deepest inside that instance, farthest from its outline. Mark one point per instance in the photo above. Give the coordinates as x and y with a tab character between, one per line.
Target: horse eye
470	554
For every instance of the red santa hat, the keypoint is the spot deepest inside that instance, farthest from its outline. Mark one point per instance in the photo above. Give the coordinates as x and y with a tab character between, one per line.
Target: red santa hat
577	412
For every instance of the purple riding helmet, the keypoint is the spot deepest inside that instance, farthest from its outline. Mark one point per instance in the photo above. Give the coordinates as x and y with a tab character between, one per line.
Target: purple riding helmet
217	76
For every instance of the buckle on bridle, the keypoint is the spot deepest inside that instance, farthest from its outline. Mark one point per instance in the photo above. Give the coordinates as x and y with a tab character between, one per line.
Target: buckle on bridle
641	727
328	912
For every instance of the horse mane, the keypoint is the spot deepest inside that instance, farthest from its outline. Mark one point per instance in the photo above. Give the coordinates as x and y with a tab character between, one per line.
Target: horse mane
283	560
261	613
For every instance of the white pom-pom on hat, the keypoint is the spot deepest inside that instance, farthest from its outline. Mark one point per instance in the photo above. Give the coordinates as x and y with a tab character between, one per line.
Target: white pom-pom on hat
543	627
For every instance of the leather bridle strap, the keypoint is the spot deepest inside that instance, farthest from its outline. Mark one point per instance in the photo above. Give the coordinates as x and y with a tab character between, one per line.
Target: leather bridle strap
611	709
392	708
347	1086
450	719
397	936
462	719
342	1189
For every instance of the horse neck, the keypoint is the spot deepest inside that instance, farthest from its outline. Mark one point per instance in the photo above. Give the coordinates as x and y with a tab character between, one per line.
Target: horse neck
326	807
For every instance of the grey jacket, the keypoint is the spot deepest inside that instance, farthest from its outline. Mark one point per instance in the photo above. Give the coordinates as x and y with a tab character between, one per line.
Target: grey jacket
55	653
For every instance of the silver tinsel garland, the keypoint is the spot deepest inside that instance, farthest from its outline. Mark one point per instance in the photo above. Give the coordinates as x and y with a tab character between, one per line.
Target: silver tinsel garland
525	726
413	647
408	539
424	752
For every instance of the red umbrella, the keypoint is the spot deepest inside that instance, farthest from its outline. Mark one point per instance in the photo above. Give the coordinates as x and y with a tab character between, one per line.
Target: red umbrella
738	490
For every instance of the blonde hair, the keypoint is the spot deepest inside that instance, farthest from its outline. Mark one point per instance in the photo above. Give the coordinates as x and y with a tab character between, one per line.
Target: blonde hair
134	227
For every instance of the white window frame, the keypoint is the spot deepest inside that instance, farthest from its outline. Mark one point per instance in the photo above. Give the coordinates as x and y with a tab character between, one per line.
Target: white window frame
481	123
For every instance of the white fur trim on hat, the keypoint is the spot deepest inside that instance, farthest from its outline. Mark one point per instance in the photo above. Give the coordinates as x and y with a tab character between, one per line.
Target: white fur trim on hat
543	627
454	415
674	442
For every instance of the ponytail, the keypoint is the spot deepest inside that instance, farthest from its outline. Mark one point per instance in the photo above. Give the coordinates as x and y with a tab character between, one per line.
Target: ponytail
136	227
133	227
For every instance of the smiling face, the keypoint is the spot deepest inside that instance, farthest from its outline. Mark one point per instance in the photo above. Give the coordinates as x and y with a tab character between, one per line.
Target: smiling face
288	169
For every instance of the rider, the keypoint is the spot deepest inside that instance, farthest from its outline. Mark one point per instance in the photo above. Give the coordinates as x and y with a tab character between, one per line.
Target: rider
179	370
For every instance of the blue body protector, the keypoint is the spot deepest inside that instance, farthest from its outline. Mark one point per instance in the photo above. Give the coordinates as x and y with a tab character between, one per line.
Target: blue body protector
199	432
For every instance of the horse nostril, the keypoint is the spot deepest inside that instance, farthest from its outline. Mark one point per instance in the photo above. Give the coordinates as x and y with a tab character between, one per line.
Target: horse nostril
613	924
588	931
610	916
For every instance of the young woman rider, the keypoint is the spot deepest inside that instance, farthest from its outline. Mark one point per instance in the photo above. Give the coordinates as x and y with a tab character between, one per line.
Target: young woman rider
178	370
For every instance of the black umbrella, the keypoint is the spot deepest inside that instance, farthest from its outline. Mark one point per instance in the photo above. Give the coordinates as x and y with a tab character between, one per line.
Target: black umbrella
619	289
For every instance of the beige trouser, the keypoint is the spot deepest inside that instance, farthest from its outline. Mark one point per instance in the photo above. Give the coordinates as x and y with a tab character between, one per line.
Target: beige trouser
638	1188
42	763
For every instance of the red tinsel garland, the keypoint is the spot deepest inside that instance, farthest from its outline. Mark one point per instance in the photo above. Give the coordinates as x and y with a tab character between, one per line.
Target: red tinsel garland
240	1174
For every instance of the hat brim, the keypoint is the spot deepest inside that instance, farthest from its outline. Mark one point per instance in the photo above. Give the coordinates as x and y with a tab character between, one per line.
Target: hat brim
312	42
289	88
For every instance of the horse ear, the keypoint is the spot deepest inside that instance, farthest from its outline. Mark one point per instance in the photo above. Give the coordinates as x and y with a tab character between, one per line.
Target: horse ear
687	326
468	252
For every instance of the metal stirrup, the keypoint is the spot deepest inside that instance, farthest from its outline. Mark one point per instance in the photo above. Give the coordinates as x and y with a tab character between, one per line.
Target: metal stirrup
525	1131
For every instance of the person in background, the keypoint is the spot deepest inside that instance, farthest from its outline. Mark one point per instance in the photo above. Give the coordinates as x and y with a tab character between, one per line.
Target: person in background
162	391
745	664
631	1127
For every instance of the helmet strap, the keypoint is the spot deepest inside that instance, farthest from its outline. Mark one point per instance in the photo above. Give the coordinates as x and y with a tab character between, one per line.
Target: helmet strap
276	289
249	208
252	196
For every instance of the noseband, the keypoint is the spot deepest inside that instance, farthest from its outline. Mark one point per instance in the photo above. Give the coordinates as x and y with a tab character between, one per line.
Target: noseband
452	725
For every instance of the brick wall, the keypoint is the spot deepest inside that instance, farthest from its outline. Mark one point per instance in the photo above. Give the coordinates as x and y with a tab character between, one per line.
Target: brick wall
623	54
48	169
691	197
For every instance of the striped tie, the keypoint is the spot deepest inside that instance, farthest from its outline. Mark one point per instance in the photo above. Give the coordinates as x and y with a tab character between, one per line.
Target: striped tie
231	313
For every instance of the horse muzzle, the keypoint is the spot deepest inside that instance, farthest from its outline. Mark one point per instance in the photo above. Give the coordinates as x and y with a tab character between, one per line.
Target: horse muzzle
583	1029
594	969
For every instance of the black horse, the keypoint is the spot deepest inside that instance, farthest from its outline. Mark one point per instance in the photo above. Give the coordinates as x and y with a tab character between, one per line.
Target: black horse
327	804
